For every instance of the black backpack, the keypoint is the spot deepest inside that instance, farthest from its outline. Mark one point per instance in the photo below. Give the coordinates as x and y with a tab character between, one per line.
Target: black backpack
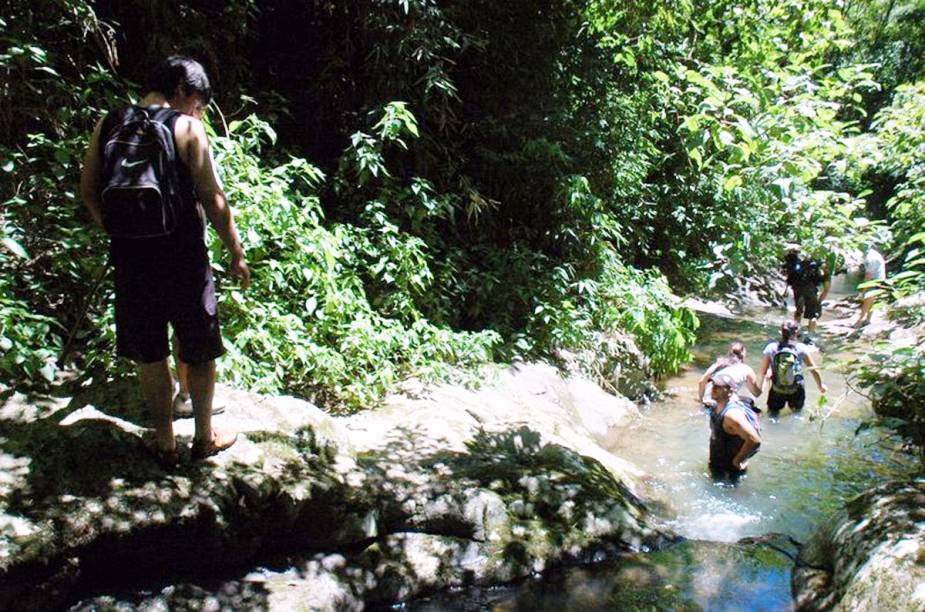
805	273
139	187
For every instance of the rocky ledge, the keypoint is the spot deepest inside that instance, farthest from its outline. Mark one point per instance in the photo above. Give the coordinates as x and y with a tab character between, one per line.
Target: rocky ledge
437	488
870	556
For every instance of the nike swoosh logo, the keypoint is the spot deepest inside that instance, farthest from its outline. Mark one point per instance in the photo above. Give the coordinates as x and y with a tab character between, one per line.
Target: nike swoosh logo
127	164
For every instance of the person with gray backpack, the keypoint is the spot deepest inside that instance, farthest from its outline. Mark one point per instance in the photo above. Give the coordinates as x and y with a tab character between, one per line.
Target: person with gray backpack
785	361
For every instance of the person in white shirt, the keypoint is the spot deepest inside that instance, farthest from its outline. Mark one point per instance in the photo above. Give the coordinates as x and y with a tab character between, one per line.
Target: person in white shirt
733	364
786	360
874	269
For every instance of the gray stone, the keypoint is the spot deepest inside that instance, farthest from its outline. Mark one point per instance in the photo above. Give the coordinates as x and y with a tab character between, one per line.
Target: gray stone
870	556
449	487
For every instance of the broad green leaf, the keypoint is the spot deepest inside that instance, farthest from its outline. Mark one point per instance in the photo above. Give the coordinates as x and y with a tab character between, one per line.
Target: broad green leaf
15	248
694	154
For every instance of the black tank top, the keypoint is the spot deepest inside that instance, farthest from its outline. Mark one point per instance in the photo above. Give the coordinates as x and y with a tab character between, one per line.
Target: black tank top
725	446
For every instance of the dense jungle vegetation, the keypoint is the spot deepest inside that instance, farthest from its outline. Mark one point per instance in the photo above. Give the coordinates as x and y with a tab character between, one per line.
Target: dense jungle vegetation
424	186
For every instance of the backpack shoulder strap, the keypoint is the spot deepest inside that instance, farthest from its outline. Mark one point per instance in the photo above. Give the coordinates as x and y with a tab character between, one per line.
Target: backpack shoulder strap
111	121
168	118
784	348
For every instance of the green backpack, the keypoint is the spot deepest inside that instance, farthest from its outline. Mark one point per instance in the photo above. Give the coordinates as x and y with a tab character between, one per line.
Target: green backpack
786	370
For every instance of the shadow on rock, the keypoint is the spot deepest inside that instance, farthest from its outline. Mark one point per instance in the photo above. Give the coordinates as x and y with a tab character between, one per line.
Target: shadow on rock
82	502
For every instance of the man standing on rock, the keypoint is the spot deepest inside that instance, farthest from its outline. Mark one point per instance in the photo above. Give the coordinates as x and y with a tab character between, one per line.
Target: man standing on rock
147	178
734	430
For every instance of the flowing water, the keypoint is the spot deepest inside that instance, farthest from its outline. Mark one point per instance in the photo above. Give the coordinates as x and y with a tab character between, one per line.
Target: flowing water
808	466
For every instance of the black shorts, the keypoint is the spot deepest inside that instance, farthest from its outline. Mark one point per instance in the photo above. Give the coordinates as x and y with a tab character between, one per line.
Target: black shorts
157	286
777	401
808	304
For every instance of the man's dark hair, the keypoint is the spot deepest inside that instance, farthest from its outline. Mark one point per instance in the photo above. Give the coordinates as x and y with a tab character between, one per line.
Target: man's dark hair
180	71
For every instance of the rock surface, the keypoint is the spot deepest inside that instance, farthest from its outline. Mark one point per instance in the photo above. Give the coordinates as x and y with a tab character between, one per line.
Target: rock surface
439	487
870	556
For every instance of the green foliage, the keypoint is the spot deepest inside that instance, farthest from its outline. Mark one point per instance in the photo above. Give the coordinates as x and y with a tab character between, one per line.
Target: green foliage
890	35
574	312
895	379
485	179
894	148
900	132
308	324
895	375
53	87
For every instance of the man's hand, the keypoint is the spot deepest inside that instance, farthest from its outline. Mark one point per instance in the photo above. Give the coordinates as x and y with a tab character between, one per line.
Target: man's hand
740	465
823	388
240	271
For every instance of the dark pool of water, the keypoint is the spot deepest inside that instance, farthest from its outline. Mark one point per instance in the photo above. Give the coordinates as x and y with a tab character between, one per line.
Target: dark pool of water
693	575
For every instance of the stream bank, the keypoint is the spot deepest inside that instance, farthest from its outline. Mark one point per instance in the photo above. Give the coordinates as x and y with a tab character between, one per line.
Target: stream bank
447	488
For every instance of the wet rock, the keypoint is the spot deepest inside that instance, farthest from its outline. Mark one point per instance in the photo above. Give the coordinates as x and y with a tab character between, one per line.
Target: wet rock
446	488
616	363
714	308
870	556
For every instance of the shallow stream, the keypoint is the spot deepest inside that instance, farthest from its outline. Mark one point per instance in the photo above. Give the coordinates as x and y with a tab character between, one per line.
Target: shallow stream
808	466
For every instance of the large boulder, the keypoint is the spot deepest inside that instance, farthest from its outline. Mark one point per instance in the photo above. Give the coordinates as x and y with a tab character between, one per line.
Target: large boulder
440	486
870	556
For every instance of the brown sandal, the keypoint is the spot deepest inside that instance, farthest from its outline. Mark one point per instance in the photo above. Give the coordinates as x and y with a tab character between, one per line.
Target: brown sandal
220	441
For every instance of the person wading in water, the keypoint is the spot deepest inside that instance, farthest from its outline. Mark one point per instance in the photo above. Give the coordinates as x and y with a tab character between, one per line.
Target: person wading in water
786	359
734	365
735	434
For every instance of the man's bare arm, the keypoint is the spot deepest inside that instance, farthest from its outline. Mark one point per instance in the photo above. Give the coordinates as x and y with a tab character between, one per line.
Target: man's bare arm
194	145
825	288
763	370
737	424
702	383
90	177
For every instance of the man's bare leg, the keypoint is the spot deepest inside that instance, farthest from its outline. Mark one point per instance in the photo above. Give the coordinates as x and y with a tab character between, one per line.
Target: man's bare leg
812	326
867	306
157	388
183	377
182	369
202	392
201	381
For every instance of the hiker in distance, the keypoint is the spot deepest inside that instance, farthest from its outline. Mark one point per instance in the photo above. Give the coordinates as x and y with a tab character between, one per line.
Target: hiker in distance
147	178
786	359
735	434
804	276
733	364
874	269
